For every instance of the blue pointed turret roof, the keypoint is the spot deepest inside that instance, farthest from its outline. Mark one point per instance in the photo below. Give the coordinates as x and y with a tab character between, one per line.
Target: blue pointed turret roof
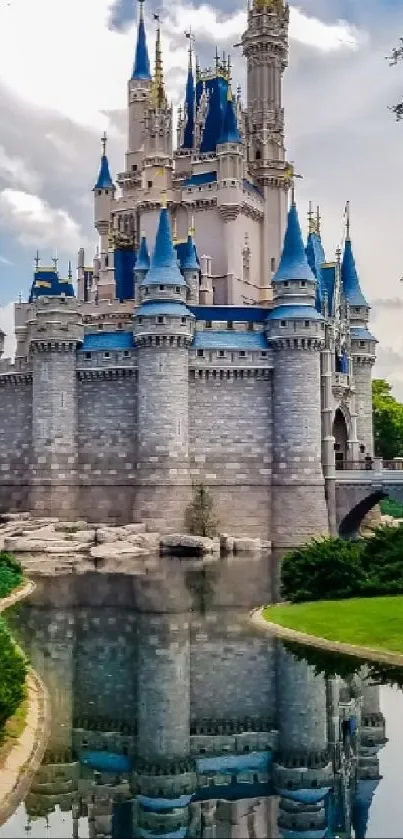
143	256
230	131
141	67
190	97
104	176
294	263
316	258
190	262
164	269
349	277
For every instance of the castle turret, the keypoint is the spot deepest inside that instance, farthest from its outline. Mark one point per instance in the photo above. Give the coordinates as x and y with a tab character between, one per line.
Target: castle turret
142	265
296	334
104	195
363	345
163	328
265	45
54	333
139	87
191	271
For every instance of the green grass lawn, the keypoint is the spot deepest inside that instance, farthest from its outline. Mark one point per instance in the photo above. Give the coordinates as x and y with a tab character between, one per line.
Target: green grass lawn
376	623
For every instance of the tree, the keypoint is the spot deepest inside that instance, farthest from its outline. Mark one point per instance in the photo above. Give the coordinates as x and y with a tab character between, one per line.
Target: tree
388	421
397	55
200	518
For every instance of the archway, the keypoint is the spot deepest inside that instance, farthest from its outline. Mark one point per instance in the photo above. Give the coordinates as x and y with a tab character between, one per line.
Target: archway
340	434
351	523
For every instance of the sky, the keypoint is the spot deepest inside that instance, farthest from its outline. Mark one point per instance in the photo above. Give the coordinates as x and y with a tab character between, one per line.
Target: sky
66	83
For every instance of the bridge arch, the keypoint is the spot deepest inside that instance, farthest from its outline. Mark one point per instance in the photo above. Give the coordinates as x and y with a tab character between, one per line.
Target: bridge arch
351	523
341	433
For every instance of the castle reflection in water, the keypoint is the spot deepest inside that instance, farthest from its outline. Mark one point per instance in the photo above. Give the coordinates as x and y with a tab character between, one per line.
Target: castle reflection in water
173	717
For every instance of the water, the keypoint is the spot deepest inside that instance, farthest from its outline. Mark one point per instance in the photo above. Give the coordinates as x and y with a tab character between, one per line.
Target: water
172	716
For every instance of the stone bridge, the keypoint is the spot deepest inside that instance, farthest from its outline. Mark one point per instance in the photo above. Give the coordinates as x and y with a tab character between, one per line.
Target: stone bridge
358	490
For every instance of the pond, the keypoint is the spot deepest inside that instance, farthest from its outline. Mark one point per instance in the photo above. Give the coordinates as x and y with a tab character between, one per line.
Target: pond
173	717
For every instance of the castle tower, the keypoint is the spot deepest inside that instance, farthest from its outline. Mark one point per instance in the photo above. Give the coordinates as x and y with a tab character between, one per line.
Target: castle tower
104	195
302	772
163	329
142	265
158	166
54	334
265	45
191	271
296	335
362	344
139	88
230	165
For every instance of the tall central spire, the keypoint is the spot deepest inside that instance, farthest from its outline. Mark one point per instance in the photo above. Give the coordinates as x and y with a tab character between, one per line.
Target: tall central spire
188	138
158	88
141	67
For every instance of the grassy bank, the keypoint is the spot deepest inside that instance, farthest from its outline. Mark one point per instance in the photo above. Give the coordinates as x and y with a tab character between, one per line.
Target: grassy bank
375	623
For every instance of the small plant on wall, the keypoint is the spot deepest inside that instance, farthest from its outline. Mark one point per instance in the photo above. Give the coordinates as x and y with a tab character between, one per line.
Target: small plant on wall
200	518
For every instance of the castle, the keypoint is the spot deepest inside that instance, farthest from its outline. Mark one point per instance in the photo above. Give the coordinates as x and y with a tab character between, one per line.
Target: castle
234	357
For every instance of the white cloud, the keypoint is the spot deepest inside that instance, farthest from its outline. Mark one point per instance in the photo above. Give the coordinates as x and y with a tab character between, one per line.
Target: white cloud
85	89
7	326
37	223
15	172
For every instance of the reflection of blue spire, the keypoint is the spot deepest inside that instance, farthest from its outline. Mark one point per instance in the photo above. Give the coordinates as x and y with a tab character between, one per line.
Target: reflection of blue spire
189	106
230	131
351	283
164	268
141	67
362	804
293	264
143	257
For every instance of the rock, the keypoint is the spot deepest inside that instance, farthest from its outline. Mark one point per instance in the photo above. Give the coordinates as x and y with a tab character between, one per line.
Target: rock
245	545
147	541
107	534
8	517
115	550
134	528
71	526
21	545
86	537
186	545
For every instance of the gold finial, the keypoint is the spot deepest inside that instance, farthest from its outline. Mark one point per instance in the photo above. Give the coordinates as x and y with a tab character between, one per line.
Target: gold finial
191	38
164	199
55	260
311	220
70	272
198	71
37	260
348	220
174	230
217	60
338	254
141	13
158	94
192	226
318	220
104	140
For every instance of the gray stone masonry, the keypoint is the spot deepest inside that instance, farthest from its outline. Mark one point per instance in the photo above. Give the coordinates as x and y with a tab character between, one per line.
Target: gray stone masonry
363	395
301	704
299	505
15	441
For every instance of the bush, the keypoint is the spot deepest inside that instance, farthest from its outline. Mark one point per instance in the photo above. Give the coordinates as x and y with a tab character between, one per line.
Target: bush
11	574
389	507
331	569
12	677
325	569
200	519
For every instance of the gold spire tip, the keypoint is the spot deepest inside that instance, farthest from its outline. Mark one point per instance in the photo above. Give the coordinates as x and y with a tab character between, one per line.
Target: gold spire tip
311	220
318	220
164	199
348	220
104	140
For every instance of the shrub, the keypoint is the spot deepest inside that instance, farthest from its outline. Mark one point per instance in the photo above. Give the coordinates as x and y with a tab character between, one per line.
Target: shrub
12	676
389	507
10	573
325	569
382	561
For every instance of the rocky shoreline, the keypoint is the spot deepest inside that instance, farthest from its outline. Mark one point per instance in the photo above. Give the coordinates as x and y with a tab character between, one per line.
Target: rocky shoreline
49	545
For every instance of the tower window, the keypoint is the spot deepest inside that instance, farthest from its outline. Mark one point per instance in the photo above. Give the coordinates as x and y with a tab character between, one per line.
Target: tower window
286	284
106	261
273	264
208	324
160	319
149	184
263	354
134	167
230	324
162	287
283	323
140	320
183	320
126	354
177	290
251	327
307	322
258	154
88	355
362	343
100	326
99	192
303	284
107	355
200	353
221	353
242	354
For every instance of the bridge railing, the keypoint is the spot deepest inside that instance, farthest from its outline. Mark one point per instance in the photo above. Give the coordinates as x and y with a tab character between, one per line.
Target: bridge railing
396	465
356	465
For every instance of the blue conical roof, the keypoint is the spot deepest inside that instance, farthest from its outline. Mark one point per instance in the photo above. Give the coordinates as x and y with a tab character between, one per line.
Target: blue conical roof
316	257
349	277
294	263
189	110
164	268
141	67
104	177
190	262
230	131
143	257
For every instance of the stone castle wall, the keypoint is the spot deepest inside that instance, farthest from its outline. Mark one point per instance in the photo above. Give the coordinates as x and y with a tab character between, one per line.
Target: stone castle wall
15	441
